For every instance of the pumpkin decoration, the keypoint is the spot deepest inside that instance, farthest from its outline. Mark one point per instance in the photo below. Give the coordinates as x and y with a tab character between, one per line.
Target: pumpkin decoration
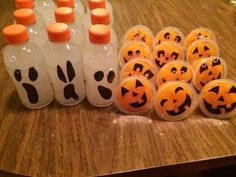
199	33
135	95
170	34
208	69
166	52
140	33
175	100
134	49
176	71
218	99
140	67
202	48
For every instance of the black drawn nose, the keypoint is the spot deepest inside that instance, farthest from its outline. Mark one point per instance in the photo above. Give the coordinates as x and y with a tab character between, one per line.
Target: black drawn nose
221	98
134	94
174	100
167	58
210	73
200	55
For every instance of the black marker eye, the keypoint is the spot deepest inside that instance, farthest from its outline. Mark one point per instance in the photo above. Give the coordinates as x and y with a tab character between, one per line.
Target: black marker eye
175	55
178	89
149	73
138	66
130	53
161	52
215	89
110	77
216	61
177	38
137	52
138	84
163	102
98	76
167	35
33	74
173	70
17	75
195	50
184	69
232	89
124	91
206	48
203	67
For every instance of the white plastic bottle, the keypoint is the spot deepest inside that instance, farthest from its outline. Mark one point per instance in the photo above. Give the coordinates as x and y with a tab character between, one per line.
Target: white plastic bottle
102	16
100	66
36	32
66	15
77	6
24	62
46	8
64	63
29	4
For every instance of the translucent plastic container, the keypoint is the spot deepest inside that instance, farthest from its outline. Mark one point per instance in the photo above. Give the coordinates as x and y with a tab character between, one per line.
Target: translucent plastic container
175	100
100	66
140	67
170	34
64	64
94	4
134	95
140	33
30	4
176	71
66	15
46	8
102	16
36	31
218	99
24	62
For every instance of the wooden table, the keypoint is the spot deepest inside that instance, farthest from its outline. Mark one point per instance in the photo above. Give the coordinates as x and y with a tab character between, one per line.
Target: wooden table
86	141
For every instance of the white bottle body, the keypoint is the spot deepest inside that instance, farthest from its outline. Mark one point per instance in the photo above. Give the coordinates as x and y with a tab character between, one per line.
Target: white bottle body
79	8
77	34
65	67
46	8
37	34
101	73
26	67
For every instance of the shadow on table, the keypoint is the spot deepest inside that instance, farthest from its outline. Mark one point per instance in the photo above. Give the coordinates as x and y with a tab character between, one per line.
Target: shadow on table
8	174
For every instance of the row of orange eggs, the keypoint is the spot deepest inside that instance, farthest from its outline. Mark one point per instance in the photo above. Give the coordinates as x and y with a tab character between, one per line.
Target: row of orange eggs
164	61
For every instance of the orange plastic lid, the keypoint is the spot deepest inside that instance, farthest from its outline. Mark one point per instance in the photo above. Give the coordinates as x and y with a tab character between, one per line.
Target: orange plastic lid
100	16
93	4
24	4
65	3
64	14
24	16
15	34
99	34
58	32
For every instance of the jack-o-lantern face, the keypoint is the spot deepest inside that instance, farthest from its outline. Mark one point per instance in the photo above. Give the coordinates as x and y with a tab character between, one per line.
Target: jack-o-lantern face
170	34
140	33
140	67
202	48
166	52
134	49
176	71
199	33
135	95
175	100
218	99
208	69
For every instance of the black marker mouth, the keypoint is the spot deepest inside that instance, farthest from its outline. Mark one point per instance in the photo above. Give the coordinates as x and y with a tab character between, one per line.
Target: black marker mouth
139	105
159	63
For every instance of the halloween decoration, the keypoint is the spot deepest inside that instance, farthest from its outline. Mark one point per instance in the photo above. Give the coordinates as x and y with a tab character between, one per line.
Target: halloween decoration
199	33
208	69
135	95
170	34
218	99
134	49
166	52
176	71
175	100
140	33
202	48
140	67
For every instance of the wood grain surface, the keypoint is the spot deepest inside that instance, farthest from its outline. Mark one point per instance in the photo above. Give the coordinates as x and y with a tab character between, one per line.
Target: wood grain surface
87	141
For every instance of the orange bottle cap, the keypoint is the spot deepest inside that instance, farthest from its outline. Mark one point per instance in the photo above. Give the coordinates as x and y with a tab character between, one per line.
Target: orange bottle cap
100	16
24	16
15	34
24	4
64	15
93	4
99	34
65	3
58	32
